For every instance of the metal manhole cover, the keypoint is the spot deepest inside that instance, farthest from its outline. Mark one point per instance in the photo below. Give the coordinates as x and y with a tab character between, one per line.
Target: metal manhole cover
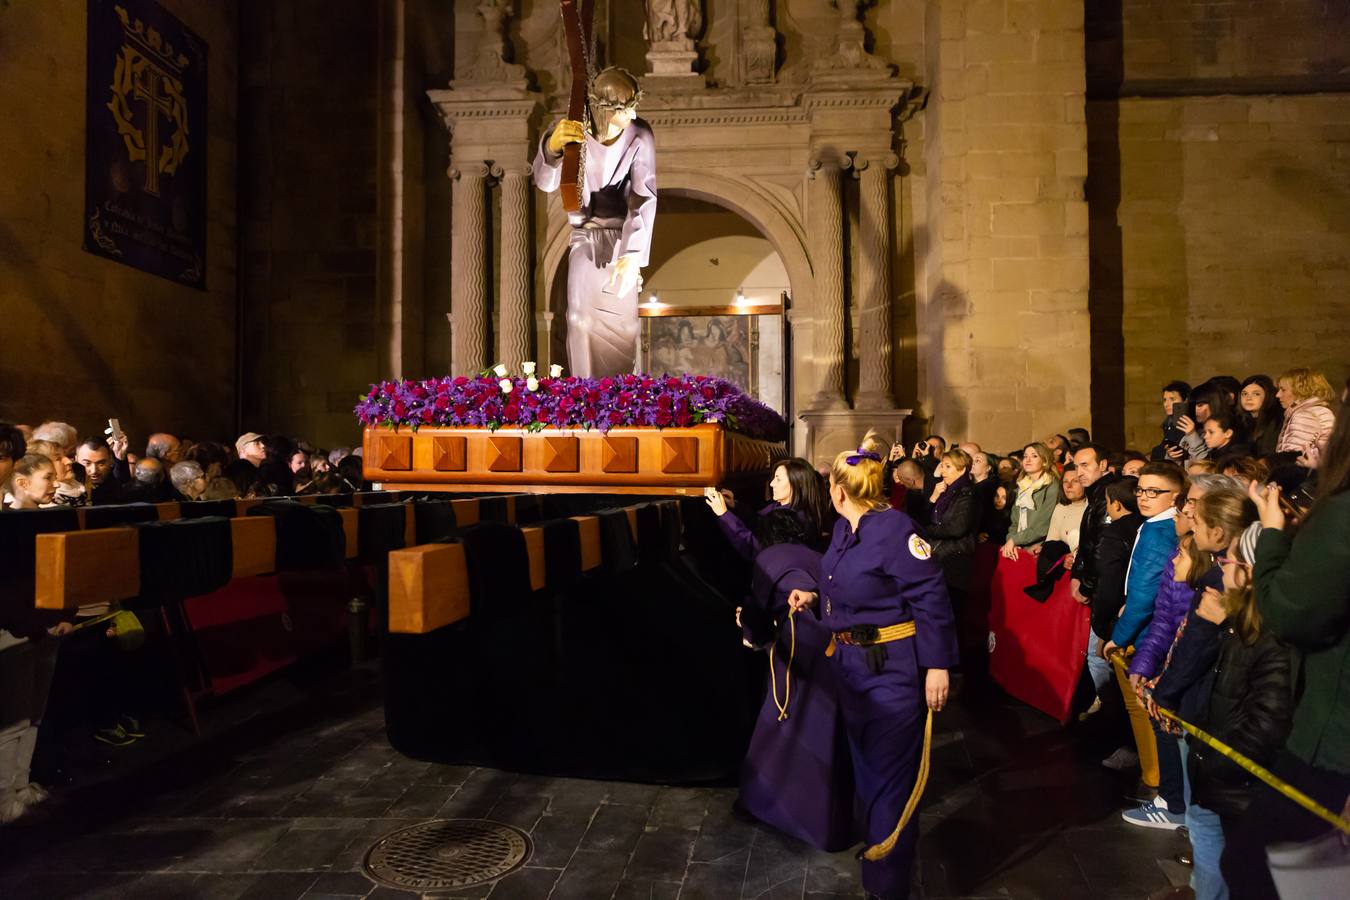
447	853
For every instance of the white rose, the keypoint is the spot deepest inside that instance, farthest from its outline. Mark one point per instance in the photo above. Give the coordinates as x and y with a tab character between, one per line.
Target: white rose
506	385
527	368
532	383
500	370
555	371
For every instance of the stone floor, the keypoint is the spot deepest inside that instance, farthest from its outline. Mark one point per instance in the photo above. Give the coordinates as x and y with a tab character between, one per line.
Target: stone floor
293	781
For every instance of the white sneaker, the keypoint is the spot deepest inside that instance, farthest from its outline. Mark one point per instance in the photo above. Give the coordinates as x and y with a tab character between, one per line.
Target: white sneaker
1124	758
1154	815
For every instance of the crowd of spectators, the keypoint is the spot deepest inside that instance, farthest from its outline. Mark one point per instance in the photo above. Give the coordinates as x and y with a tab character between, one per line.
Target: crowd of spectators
1216	571
96	695
1215	567
50	465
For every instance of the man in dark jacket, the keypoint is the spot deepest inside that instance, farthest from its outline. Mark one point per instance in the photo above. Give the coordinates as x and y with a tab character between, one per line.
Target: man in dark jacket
1095	472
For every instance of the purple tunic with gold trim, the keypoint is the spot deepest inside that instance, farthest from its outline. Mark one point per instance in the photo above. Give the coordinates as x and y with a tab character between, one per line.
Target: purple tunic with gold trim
797	776
884	574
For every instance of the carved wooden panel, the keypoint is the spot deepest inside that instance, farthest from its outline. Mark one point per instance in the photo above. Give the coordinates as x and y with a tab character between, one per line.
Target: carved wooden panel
679	455
449	453
395	452
652	460
562	454
620	455
503	453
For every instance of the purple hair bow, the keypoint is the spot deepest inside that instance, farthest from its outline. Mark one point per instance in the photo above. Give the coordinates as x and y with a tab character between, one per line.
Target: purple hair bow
854	458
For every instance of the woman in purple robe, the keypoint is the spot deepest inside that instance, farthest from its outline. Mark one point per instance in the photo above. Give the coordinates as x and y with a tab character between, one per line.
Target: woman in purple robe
795	486
797	775
894	638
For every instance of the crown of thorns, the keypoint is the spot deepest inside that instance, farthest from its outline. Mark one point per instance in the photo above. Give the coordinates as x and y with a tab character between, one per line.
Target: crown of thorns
615	105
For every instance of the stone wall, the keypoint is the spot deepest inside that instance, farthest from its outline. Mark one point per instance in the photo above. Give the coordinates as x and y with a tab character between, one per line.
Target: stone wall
1233	230
1003	326
83	338
1219	186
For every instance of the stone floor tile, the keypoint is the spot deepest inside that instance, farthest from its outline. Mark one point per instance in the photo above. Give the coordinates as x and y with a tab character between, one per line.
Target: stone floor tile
528	883
590	874
662	854
615	828
706	881
556	838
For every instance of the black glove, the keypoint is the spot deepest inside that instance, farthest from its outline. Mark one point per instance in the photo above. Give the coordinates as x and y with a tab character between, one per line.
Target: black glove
876	658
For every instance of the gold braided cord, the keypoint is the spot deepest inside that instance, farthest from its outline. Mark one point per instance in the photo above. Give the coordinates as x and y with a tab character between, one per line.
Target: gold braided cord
1276	783
787	670
881	851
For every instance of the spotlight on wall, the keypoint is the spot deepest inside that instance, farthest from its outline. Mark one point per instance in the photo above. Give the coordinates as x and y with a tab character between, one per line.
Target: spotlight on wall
740	297
652	302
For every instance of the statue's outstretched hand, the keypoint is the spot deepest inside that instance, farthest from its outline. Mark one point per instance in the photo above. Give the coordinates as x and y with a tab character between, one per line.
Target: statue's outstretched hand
567	131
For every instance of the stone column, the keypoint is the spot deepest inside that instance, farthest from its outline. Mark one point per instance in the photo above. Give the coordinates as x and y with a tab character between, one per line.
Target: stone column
826	222
514	345
874	281
468	277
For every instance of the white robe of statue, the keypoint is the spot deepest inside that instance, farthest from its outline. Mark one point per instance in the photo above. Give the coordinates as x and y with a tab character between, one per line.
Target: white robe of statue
618	208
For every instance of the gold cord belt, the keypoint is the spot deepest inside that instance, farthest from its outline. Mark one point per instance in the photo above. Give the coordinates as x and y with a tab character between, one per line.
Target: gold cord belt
868	635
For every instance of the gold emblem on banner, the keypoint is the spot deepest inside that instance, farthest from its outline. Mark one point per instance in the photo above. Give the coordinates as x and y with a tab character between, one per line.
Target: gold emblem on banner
147	95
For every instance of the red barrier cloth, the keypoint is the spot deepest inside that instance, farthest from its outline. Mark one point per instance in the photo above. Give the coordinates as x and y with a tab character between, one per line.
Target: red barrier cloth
1036	650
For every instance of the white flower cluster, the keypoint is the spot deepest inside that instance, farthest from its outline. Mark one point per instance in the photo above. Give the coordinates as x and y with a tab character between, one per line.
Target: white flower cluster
527	369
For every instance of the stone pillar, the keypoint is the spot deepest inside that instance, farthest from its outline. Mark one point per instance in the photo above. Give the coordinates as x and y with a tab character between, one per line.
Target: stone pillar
514	345
826	222
874	281
1006	323
468	277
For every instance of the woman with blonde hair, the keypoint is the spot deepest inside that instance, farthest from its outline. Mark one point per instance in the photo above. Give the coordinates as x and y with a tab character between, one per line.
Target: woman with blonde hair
883	598
69	491
1038	493
1306	397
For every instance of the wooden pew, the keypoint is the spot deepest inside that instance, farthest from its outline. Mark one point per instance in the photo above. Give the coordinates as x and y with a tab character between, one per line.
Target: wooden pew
429	584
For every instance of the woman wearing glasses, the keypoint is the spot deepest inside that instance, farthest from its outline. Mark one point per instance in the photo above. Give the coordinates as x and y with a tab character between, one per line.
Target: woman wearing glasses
883	597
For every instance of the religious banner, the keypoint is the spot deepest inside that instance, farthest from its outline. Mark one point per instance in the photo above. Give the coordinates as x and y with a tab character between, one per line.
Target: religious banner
145	141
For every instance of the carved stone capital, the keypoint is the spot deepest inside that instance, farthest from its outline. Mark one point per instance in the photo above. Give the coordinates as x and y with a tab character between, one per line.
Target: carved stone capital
472	168
874	161
828	162
502	171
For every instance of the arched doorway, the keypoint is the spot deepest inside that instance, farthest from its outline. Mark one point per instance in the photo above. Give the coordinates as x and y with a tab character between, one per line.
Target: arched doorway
707	249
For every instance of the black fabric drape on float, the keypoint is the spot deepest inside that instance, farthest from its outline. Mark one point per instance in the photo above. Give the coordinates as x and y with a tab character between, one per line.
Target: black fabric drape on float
633	671
308	537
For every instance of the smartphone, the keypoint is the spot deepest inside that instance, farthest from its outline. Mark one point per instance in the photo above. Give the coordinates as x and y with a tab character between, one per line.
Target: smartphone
115	429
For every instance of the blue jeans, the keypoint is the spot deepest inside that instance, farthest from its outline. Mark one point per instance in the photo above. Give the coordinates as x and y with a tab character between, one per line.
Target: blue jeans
1206	843
1099	670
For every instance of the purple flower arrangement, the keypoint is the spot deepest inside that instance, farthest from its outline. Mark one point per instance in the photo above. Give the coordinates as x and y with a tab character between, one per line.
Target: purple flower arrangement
494	400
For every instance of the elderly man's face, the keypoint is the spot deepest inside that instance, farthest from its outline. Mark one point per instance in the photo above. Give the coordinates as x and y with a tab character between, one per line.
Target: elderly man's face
255	452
